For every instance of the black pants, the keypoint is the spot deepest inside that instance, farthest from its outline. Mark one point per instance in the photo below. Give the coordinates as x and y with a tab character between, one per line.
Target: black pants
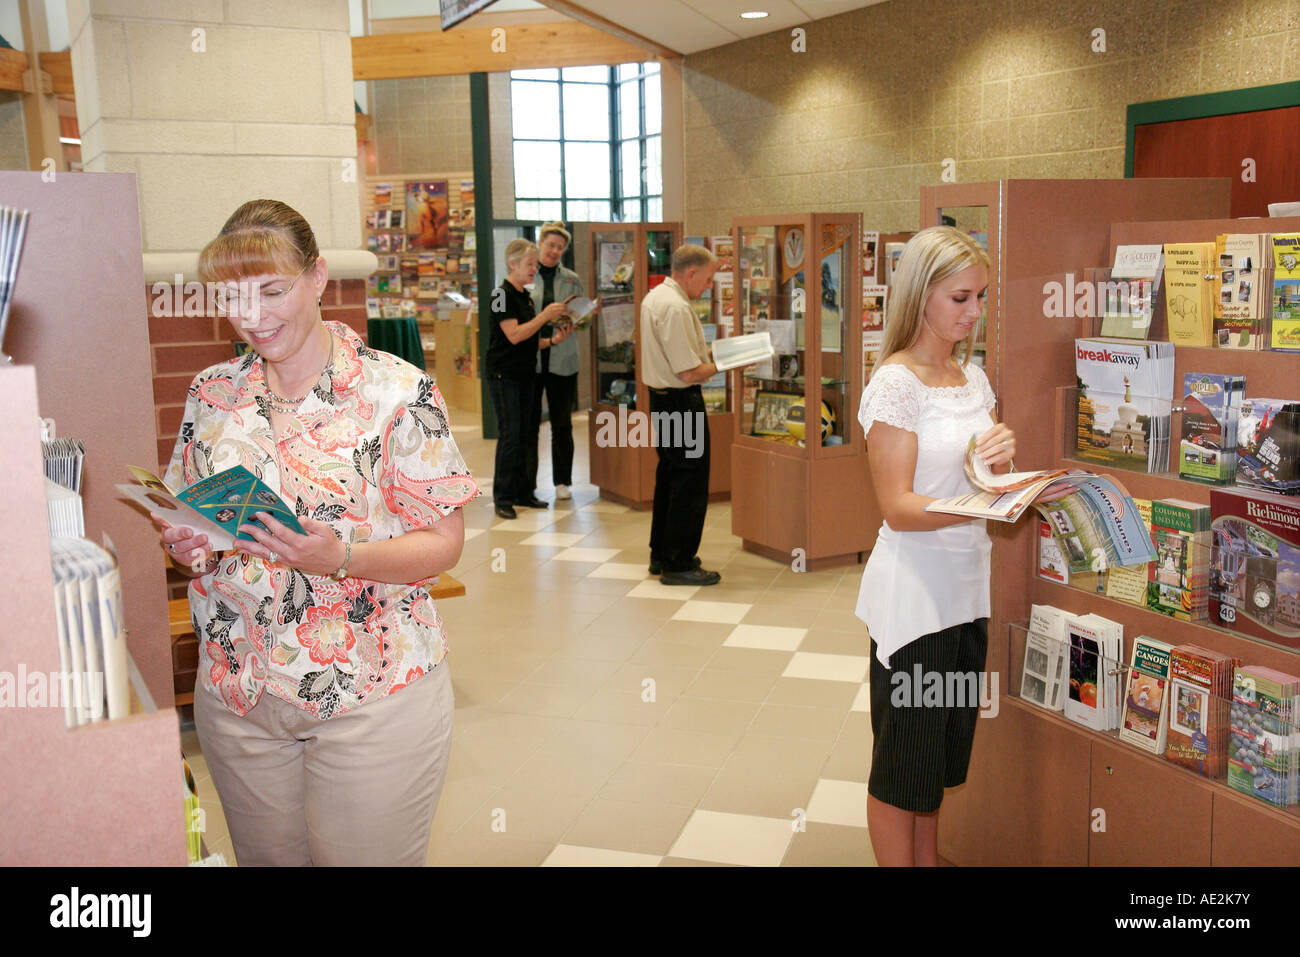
682	478
513	400
559	391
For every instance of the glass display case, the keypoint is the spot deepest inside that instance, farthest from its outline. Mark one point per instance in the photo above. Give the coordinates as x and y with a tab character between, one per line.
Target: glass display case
799	279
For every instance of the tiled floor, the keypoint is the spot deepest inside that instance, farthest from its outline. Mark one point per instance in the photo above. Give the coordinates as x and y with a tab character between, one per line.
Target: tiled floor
603	719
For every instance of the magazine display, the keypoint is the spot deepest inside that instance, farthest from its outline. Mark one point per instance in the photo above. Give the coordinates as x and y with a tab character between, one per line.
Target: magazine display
1146	701
1096	648
1125	394
1042	679
1094	519
1200	689
1255	565
91	628
215	506
1262	751
1284	325
1207	448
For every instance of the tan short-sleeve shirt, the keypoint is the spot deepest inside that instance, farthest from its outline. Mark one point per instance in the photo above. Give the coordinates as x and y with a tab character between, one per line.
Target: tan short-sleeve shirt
672	339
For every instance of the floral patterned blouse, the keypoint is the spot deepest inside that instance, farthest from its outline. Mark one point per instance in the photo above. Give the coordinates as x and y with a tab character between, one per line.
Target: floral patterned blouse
375	458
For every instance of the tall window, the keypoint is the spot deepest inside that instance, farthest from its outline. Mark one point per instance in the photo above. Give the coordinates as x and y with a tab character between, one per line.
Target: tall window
587	143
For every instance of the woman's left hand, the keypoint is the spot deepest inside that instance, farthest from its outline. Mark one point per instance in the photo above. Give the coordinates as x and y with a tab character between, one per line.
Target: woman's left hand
319	552
997	446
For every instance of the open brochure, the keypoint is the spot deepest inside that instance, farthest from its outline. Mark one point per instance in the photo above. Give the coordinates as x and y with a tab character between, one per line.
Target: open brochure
215	506
732	352
1094	519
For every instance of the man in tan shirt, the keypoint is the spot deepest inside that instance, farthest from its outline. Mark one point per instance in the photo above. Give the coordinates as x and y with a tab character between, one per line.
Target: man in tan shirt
674	361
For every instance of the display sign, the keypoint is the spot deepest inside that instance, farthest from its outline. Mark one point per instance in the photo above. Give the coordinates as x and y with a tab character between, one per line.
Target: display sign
454	11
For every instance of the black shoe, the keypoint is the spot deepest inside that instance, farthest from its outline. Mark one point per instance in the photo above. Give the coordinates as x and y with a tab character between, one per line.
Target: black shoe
696	576
657	568
533	502
506	511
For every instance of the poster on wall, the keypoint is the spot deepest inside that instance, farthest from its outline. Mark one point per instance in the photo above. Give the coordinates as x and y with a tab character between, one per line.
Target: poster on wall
869	243
428	224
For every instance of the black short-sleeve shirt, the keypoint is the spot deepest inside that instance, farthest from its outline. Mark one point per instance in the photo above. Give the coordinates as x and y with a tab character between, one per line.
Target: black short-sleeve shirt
516	360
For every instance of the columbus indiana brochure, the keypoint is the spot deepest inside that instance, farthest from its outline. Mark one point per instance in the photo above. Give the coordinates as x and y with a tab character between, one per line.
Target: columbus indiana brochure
1098	525
215	506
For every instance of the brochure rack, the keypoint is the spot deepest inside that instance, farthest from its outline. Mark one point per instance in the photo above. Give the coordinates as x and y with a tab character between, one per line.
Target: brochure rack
1035	781
109	793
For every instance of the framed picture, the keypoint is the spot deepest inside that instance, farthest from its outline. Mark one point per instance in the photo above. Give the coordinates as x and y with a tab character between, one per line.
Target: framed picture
770	412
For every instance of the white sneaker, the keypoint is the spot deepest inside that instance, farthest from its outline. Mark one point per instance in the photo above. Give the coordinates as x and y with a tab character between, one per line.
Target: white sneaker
562	492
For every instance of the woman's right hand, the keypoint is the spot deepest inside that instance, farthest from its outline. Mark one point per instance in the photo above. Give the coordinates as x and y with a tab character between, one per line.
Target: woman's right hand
184	546
553	313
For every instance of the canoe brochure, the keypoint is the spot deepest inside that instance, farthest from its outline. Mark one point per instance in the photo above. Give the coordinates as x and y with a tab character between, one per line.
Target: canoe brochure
215	506
1093	517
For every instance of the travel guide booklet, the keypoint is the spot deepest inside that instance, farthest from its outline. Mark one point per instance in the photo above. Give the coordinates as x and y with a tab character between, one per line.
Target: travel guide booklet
1284	329
1125	396
1146	701
1095	520
1200	689
1207	449
1243	271
215	506
1140	267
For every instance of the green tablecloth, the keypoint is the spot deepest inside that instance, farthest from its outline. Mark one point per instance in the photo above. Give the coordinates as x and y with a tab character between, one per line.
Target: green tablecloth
401	337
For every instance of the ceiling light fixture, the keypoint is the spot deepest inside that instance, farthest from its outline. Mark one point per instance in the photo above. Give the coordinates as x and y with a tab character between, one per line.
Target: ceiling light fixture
753	15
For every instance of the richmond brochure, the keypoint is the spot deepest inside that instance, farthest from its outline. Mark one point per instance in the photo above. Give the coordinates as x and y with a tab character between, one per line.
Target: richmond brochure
1098	524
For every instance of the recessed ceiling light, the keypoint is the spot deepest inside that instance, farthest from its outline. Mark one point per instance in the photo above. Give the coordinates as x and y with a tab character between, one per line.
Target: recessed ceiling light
753	15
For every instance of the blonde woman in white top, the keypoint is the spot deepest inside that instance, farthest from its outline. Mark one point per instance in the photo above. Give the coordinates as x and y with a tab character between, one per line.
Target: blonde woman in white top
925	590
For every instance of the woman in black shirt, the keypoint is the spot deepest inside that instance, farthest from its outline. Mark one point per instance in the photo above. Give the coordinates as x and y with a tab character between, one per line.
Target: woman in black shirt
511	367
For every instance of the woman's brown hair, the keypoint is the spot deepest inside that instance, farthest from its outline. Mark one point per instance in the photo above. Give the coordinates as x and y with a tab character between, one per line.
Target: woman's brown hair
262	237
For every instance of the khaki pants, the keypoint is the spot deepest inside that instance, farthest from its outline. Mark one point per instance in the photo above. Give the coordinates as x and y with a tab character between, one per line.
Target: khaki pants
358	789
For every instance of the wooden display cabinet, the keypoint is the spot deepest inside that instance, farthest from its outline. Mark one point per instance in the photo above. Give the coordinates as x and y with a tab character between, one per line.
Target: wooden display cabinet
624	261
1040	231
798	277
456	362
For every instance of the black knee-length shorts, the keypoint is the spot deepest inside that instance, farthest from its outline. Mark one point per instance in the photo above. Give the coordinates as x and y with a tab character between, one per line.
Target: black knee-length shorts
919	747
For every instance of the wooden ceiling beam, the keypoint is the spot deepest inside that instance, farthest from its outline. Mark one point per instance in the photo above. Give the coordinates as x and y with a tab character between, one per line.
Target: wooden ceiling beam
583	15
13	64
395	55
59	67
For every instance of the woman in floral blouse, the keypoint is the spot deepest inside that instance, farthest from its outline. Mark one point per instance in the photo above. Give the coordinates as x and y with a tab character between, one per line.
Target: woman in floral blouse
307	640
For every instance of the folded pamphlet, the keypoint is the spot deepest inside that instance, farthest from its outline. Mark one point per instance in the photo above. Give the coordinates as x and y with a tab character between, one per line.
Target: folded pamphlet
732	352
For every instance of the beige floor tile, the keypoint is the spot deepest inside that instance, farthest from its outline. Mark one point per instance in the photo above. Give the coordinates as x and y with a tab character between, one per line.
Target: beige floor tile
681	785
485	760
798	721
827	642
862	699
625	707
459	800
718	612
637	827
638	613
525	731
490	850
559	540
687	862
553	700
668	680
571	601
839	619
480	692
564	773
572	855
700	633
733	839
527	814
665	745
779	615
737	594
673	654
620	571
730	685
599	647
806	664
813	693
654	588
857	725
601	586
765	637
774	787
604	740
809	601
752	660
574	672
710	714
850	760
830	845
823	581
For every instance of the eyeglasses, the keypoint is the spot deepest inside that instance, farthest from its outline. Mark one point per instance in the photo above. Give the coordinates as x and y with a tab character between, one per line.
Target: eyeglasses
253	297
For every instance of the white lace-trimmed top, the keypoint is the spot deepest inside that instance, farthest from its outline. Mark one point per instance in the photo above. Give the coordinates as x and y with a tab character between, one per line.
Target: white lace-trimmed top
917	583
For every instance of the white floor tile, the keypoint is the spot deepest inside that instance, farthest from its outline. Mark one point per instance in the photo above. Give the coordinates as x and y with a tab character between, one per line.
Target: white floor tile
621	570
767	637
838	802
529	520
809	664
572	855
734	839
473	533
587	554
720	612
654	588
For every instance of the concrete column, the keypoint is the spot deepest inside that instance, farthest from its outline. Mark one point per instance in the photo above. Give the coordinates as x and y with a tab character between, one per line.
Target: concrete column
215	102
